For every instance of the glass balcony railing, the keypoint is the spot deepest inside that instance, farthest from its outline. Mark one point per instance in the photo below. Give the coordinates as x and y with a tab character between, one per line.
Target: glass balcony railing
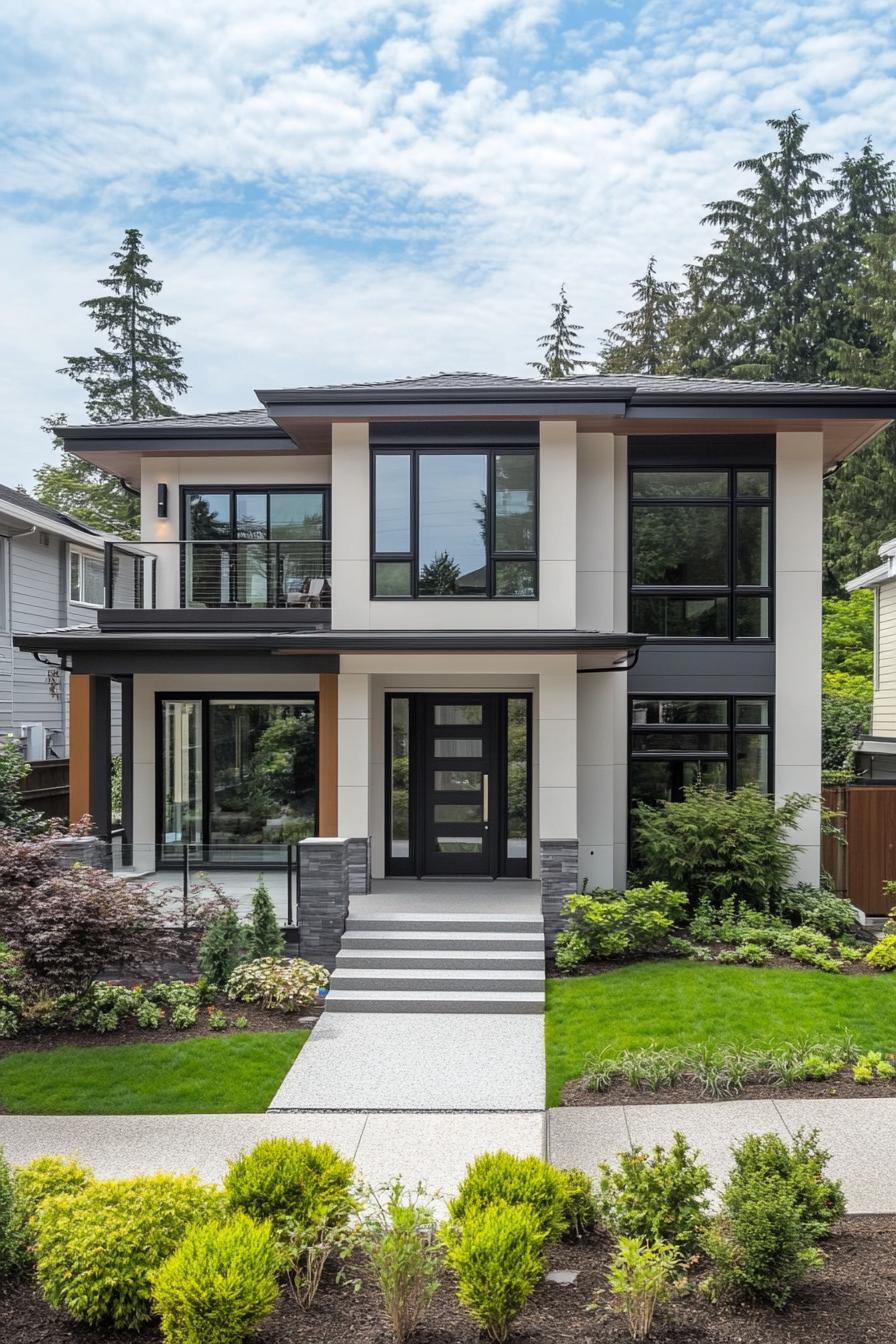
219	575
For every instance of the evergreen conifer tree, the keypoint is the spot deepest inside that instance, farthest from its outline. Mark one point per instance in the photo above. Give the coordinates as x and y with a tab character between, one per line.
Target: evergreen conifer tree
222	948
263	936
640	343
560	346
440	575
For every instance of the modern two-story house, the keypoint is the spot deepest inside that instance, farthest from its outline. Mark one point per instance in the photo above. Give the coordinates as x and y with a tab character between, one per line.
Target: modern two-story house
456	626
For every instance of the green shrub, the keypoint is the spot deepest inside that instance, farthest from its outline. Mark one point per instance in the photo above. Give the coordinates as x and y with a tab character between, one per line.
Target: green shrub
747	954
219	1284
656	1196
818	908
10	1227
883	953
148	1014
579	1204
502	1178
404	1256
10	1022
217	1021
97	1249
819	961
304	1190
716	845
40	1180
641	1276
870	1064
496	1253
759	1246
173	993
222	948
262	936
183	1017
762	1159
286	983
617	924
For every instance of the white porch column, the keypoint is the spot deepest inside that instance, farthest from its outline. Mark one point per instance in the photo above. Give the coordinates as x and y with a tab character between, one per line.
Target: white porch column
798	553
558	846
354	754
351	534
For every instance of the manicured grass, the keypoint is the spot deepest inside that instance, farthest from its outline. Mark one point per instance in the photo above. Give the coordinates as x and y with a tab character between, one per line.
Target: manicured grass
208	1073
679	1003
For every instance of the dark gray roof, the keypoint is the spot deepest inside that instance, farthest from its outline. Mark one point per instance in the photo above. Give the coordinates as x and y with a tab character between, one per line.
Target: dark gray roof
43	510
255	419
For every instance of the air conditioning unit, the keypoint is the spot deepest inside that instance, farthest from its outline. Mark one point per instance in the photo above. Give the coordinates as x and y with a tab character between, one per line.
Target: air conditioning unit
34	741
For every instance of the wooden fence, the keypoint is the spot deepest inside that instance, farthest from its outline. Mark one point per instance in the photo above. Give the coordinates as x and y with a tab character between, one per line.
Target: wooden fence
45	788
867	821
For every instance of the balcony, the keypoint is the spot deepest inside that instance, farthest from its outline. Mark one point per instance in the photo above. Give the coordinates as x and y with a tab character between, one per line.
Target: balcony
220	584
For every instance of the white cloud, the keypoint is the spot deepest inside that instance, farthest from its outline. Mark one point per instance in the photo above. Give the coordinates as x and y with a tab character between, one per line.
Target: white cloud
371	188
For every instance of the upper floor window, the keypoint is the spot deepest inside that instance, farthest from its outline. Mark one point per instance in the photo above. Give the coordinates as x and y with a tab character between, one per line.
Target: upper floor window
454	524
86	579
701	553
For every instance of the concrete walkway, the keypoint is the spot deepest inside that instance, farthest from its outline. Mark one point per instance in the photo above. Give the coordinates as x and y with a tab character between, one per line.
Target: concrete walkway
418	1062
860	1136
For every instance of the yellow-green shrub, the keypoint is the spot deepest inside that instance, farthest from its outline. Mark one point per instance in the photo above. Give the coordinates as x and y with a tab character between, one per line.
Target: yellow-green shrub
497	1256
883	953
40	1180
219	1284
97	1249
502	1178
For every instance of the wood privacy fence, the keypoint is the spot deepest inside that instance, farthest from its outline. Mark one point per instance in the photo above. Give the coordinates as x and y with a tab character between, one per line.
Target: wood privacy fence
859	868
46	788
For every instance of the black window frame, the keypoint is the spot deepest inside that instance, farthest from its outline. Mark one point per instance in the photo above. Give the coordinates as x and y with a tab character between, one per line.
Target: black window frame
731	590
731	729
204	698
493	556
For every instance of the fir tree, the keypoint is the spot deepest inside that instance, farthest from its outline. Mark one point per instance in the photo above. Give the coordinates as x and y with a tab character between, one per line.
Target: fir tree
221	949
440	575
263	937
640	343
560	347
136	376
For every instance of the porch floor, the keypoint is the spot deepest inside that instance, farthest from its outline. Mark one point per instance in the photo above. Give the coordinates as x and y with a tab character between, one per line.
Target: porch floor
449	896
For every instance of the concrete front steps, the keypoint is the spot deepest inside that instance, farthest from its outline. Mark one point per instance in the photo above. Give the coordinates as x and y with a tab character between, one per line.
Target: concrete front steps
431	963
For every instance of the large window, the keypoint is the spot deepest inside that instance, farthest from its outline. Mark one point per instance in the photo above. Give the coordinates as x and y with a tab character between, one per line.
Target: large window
454	524
717	741
253	548
701	553
86	579
237	771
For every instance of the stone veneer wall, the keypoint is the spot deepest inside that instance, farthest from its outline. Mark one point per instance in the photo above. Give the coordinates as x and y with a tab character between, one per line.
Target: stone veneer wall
323	898
559	877
359	865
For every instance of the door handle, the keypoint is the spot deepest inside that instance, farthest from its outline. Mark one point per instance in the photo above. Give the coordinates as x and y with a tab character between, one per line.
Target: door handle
485	800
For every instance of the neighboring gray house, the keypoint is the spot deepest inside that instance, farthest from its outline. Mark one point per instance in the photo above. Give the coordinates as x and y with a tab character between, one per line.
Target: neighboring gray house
51	573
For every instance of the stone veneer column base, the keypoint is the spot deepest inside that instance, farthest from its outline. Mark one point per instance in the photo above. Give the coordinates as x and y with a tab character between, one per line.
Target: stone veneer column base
559	877
323	898
359	865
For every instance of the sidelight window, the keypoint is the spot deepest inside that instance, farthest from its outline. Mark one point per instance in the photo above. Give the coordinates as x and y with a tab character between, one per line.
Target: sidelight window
454	524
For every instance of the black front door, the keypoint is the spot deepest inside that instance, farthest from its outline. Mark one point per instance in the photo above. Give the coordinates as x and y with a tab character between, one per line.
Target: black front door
459	785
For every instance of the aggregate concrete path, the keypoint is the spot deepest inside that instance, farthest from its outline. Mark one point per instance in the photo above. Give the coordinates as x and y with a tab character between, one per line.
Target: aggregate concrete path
418	1062
859	1134
434	1149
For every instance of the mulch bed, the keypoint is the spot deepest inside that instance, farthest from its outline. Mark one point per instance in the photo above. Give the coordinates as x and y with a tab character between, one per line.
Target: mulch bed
260	1019
852	1298
621	1093
776	963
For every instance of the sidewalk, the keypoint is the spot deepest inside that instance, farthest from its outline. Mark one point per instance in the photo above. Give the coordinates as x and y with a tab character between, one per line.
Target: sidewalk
860	1136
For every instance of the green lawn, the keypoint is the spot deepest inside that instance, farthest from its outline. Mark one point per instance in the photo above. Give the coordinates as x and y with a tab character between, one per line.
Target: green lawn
678	1003
207	1073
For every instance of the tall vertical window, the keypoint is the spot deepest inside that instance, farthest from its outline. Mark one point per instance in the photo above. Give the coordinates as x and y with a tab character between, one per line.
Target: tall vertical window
454	524
86	579
701	553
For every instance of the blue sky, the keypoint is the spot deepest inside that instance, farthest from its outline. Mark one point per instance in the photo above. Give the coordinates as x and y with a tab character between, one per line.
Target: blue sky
377	188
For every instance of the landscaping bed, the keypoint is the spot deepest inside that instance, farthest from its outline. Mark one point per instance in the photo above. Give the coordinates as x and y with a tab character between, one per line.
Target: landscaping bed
577	1093
853	1297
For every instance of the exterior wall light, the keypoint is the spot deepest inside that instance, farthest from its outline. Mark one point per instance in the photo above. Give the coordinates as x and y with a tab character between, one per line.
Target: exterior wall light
162	500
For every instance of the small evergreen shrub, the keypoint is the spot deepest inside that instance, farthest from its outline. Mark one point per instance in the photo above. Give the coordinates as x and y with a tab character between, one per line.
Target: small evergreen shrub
658	1196
641	1276
285	983
148	1014
502	1178
579	1204
40	1180
219	1284
222	948
183	1017
617	924
497	1255
10	1227
883	954
262	936
759	1246
304	1190
404	1256
800	1166
96	1249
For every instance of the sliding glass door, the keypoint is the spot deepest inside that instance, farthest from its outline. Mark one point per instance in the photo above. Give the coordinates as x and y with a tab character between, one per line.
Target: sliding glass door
238	776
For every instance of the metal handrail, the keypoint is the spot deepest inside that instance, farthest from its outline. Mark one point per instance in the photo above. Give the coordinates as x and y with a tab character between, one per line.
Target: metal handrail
225	572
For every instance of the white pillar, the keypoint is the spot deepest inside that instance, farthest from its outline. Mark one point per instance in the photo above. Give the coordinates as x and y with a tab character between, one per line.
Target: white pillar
557	750
354	754
798	555
350	508
557	525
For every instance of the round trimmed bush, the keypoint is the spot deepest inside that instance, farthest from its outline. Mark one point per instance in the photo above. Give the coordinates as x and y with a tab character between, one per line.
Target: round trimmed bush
498	1259
97	1249
502	1178
290	1181
219	1284
40	1180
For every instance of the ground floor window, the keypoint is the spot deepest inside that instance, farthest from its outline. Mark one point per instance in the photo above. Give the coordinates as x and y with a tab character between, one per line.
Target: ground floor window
236	771
717	741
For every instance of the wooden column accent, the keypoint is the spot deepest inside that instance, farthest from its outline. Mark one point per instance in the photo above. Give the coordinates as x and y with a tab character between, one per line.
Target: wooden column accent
79	747
328	754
